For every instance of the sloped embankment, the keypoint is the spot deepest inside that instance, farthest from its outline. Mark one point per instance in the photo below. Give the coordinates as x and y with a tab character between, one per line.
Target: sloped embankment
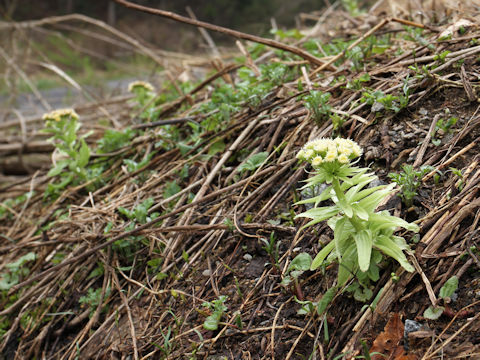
191	198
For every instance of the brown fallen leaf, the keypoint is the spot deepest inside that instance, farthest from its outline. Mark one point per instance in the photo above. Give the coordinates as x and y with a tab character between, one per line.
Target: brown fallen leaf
388	345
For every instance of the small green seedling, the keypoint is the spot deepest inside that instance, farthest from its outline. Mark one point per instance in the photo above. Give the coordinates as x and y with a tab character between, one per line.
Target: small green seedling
93	298
16	271
218	308
139	213
297	267
409	181
446	293
253	162
113	140
358	83
443	127
381	101
317	307
317	103
459	184
272	248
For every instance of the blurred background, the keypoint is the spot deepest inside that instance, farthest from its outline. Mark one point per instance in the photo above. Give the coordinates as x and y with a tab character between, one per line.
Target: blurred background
253	16
56	59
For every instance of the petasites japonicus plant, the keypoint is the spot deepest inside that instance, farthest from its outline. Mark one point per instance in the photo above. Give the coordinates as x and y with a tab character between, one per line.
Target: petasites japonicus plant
361	234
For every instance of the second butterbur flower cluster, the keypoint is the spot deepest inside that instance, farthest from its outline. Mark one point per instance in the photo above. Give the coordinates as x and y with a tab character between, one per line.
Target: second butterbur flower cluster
143	85
59	114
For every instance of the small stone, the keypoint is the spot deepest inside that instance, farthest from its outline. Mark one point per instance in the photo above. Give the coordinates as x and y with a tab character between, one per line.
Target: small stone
248	257
411	326
206	272
423	111
377	107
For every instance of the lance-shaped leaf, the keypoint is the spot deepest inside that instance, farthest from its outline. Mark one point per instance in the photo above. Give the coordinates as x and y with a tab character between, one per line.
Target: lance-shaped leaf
325	195
364	242
348	266
318	261
319	214
389	247
83	154
370	202
339	236
62	164
383	220
326	300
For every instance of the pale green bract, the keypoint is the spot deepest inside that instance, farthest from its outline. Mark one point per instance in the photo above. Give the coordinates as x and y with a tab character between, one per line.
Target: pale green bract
360	233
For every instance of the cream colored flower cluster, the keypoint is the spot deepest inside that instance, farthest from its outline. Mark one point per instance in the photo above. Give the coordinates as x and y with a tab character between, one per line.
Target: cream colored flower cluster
140	84
57	115
328	150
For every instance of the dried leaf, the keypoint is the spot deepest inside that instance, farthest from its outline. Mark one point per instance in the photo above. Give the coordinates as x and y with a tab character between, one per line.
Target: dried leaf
389	340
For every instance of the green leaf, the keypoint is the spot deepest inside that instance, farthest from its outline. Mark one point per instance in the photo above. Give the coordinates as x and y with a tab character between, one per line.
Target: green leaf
433	313
354	190
21	261
364	242
383	220
125	212
449	288
211	322
325	195
373	271
326	300
253	162
141	210
58	168
318	260
363	294
339	235
318	179
217	147
369	203
171	189
348	265
390	248
360	212
113	140
83	155
345	207
301	262
319	214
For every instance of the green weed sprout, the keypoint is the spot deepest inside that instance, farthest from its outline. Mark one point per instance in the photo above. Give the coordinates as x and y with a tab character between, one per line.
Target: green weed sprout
446	292
409	181
218	308
317	103
73	151
361	234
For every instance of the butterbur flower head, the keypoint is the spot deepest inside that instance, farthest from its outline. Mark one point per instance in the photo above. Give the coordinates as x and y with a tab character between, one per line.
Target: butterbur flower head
140	85
309	154
317	160
59	114
326	150
343	159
